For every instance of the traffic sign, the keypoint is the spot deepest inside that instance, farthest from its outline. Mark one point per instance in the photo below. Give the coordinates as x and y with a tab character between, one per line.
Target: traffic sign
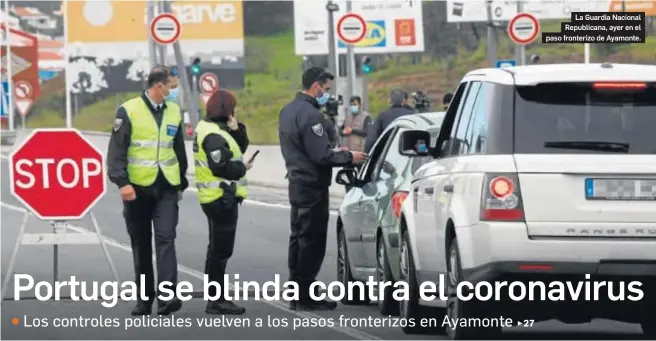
23	92
209	82
523	28
57	183
351	28
165	29
506	63
205	97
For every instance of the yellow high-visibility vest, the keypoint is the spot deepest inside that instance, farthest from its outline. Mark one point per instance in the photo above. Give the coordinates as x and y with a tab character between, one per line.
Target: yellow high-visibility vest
151	147
209	186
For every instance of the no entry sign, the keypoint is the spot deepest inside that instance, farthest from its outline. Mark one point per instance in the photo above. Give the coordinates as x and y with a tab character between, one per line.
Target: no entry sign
23	97
165	29
57	183
351	28
523	28
209	82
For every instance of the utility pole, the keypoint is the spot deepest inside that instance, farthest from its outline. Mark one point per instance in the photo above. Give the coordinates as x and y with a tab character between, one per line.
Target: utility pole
350	63
491	37
68	77
520	50
152	46
333	53
162	8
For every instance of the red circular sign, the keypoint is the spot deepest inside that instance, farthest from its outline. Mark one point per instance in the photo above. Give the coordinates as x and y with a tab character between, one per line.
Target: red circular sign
519	39
340	26
169	33
57	183
23	90
209	82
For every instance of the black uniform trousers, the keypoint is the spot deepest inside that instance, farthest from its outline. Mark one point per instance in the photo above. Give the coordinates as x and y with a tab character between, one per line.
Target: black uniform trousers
309	231
155	208
222	215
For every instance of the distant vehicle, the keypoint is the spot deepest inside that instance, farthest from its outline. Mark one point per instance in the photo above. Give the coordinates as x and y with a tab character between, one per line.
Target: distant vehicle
367	227
541	173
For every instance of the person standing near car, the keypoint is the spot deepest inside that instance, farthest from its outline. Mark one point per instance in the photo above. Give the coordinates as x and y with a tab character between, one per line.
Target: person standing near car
309	158
147	160
398	107
356	125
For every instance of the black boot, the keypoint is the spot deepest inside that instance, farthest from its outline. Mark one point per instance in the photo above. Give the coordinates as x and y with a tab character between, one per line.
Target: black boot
142	308
170	307
223	307
311	305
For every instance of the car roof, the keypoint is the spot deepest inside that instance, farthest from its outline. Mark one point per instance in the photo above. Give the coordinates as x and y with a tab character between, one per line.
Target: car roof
422	120
556	73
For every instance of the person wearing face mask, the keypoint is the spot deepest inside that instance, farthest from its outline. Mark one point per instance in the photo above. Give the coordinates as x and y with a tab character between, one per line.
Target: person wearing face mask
146	159
309	159
355	127
219	146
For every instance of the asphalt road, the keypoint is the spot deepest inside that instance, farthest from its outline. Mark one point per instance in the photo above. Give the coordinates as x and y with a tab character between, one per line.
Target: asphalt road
260	253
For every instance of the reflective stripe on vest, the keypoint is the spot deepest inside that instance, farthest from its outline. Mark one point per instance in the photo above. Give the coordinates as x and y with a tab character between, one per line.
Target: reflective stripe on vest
151	147
209	186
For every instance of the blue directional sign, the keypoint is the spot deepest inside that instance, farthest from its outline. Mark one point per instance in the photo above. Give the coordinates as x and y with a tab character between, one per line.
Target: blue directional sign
506	63
4	100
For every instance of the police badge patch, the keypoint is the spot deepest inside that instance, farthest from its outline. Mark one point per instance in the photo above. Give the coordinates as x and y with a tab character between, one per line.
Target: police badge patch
216	156
318	129
117	124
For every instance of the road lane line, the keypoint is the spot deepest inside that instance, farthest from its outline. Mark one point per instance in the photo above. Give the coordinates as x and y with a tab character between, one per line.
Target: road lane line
352	332
247	201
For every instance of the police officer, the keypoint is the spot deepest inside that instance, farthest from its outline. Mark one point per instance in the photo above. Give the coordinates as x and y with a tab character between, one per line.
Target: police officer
146	159
309	159
219	145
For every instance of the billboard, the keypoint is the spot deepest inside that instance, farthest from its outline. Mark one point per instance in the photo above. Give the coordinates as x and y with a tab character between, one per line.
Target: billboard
120	28
476	10
392	26
24	59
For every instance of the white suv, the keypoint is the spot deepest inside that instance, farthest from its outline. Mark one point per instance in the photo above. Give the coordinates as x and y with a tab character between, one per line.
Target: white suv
541	173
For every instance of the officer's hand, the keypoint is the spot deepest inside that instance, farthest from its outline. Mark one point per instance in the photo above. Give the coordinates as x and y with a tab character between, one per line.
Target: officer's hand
249	165
359	157
347	131
128	193
343	148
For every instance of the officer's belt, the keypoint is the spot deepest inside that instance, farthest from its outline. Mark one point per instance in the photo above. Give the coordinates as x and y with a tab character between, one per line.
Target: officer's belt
151	144
152	163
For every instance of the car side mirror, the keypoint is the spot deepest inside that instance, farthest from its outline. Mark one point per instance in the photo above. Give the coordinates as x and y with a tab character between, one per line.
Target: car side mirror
346	177
414	143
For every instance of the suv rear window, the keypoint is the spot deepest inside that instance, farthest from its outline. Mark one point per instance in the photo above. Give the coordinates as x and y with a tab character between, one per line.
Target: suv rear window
566	118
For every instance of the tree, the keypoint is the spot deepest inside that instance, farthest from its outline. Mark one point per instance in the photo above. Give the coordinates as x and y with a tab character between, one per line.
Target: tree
86	76
108	61
138	71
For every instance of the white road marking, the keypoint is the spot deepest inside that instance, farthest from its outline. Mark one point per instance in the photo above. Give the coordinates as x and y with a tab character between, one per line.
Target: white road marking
247	201
352	332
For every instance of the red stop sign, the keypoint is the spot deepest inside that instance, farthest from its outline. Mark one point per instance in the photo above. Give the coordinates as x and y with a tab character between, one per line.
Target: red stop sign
57	174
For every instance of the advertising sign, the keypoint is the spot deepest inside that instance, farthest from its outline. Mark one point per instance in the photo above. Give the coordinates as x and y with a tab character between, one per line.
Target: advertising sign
95	27
476	10
392	26
24	59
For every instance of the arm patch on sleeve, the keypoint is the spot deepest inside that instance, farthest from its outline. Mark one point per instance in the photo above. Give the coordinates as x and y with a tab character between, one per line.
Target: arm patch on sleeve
317	129
216	155
118	123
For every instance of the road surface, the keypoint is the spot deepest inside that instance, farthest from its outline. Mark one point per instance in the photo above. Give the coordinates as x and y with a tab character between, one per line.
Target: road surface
260	253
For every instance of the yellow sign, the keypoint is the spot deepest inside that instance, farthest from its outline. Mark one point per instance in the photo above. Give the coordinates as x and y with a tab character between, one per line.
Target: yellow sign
106	21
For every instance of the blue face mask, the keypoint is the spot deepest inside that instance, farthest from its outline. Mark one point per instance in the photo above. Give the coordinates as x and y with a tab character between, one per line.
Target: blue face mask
422	148
173	95
355	109
323	99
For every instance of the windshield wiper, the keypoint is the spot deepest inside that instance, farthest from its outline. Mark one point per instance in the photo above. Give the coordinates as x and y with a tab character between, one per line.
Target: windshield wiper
606	146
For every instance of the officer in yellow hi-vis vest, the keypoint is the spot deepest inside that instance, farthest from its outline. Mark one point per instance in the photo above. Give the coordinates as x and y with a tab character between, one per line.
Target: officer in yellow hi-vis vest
219	147
147	161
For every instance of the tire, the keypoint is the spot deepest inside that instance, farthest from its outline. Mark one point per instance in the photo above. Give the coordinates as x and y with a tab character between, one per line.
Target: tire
386	303
411	309
344	272
457	309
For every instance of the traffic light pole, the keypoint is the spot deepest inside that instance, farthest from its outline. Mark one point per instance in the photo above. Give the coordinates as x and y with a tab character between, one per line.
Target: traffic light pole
333	56
350	64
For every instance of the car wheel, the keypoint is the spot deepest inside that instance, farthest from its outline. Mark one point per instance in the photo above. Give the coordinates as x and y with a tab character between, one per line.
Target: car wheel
344	272
648	329
459	310
411	309
386	303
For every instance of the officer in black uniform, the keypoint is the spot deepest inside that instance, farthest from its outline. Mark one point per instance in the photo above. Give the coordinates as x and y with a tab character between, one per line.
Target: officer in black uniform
149	198
309	159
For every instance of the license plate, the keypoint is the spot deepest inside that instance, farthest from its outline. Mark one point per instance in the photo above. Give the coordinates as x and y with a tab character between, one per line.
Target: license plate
620	189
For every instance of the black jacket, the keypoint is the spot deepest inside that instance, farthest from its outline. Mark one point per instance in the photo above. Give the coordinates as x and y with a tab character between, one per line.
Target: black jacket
117	152
383	121
216	145
305	145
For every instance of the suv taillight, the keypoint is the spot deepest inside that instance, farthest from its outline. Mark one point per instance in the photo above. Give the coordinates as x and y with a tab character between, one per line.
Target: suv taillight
397	201
501	198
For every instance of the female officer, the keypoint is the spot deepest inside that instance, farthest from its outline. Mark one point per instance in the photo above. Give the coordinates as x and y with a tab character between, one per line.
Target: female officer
219	145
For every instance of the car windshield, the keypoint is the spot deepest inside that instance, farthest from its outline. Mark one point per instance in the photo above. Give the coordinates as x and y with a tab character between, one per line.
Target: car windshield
588	118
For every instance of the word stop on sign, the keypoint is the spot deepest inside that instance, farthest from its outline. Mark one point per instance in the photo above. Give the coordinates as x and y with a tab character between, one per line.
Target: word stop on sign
65	173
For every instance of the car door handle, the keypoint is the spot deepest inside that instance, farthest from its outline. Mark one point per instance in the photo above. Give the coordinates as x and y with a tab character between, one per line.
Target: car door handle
429	190
448	188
